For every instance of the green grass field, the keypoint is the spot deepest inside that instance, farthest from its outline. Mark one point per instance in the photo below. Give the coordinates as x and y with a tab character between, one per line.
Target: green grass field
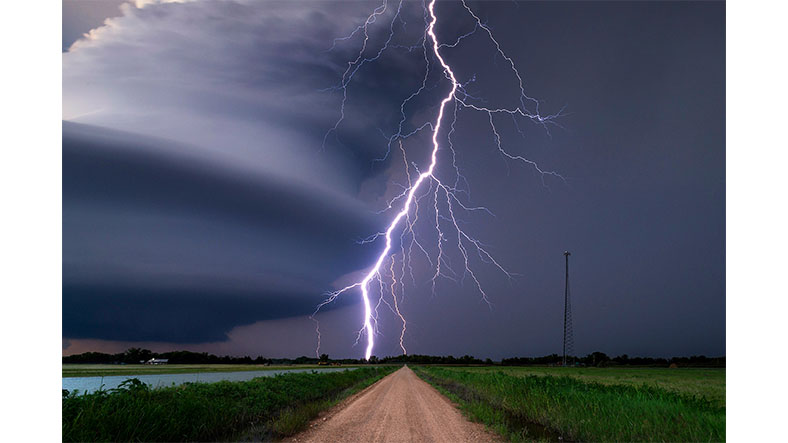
594	404
708	383
259	410
88	370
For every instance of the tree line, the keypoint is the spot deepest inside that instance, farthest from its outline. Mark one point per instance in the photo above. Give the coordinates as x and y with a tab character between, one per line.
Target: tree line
139	355
598	359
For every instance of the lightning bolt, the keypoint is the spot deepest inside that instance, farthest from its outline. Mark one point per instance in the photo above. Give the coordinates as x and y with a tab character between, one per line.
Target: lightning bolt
446	201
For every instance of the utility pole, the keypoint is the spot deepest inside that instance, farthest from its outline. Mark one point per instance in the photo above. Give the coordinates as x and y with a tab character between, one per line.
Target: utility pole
568	340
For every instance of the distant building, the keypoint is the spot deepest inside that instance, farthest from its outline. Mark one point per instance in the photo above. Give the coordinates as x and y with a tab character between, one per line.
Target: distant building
157	361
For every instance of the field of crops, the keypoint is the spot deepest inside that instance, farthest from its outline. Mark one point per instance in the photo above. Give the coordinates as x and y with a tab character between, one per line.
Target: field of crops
595	404
259	409
708	383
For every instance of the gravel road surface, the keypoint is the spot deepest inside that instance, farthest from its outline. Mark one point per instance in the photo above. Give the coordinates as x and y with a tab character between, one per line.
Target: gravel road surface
399	408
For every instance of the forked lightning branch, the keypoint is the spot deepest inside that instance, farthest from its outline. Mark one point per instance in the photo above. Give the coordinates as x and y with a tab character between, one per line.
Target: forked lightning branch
387	274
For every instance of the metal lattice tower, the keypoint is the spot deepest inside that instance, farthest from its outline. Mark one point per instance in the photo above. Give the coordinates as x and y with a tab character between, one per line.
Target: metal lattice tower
568	338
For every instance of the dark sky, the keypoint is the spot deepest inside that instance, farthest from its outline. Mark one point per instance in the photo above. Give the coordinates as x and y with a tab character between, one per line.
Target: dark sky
200	210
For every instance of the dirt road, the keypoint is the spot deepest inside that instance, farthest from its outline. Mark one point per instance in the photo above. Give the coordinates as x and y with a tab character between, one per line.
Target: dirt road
399	408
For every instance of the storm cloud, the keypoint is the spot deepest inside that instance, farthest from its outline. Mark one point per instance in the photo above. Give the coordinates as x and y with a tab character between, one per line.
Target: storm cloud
245	83
202	208
145	228
197	195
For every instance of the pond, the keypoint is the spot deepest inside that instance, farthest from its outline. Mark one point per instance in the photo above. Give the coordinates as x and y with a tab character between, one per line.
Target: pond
91	384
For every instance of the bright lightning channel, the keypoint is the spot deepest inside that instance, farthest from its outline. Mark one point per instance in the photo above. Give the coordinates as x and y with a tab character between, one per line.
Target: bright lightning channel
436	186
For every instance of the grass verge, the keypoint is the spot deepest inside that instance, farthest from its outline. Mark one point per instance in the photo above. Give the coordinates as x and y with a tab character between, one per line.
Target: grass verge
523	408
272	407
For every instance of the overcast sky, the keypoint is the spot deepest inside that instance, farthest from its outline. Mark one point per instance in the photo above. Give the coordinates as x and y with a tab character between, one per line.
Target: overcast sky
202	209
